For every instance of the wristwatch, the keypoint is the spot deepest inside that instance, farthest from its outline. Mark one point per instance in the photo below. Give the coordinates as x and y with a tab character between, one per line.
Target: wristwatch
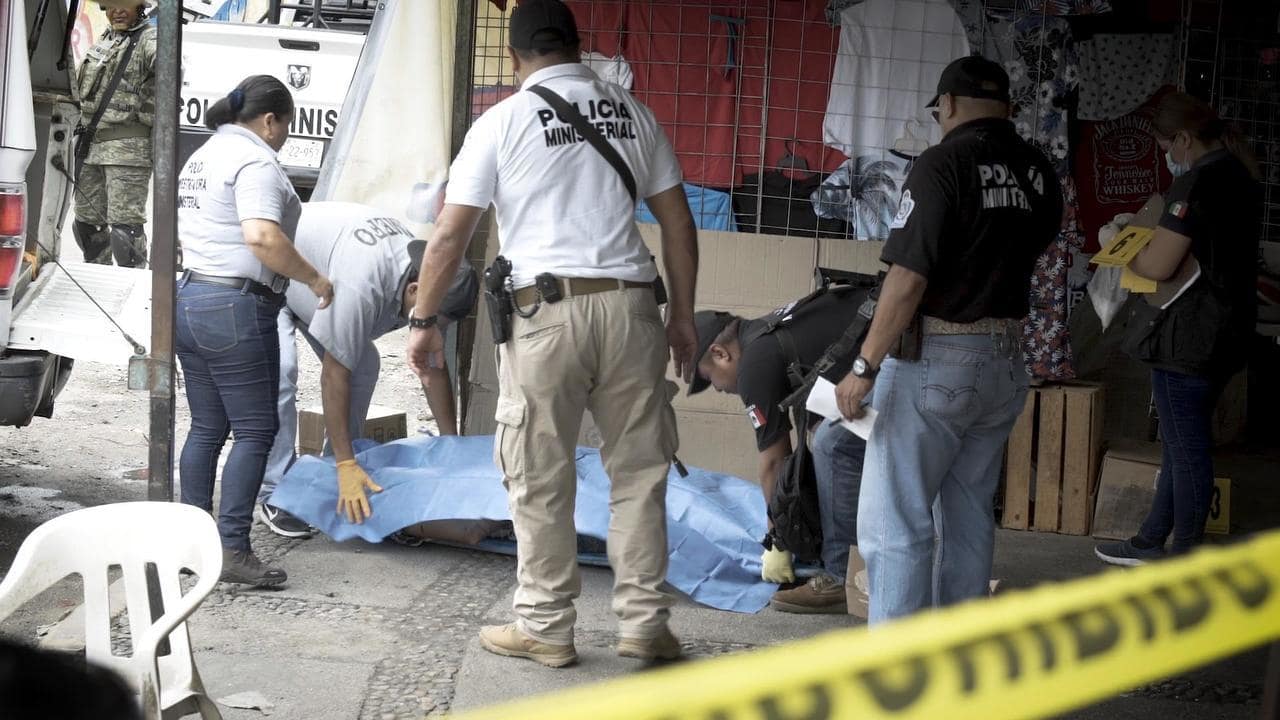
422	323
862	368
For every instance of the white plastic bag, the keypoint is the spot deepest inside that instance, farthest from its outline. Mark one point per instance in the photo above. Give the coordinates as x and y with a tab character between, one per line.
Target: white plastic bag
1105	292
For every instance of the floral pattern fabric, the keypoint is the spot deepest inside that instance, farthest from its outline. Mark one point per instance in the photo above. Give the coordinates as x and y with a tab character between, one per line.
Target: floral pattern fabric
1044	72
1046	339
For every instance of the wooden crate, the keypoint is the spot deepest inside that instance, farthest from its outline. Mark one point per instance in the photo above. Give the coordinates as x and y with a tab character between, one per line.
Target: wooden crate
1052	460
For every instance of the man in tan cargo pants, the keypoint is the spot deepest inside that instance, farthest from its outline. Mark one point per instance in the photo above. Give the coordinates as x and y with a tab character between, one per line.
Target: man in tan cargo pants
587	333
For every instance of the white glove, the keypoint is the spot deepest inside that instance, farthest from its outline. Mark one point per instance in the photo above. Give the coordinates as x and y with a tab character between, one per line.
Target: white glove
777	566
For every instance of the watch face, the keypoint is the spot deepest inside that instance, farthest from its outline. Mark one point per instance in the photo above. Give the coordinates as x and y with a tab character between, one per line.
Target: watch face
859	367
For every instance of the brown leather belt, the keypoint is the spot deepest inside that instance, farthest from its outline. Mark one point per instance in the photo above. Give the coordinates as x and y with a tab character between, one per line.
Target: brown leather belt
985	326
578	286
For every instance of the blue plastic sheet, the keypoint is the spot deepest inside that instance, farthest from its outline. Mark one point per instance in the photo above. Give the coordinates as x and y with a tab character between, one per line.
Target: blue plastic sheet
714	521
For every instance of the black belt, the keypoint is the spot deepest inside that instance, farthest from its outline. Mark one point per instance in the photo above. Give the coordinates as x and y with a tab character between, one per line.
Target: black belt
244	284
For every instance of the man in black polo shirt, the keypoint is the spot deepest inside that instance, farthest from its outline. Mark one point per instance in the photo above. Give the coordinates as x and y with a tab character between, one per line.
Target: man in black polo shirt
976	212
735	358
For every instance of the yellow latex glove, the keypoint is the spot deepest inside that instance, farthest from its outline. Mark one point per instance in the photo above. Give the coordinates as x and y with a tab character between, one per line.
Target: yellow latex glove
777	566
352	482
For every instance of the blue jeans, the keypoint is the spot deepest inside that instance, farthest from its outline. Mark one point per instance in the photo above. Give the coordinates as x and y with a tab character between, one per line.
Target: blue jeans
226	341
364	377
837	463
939	435
1185	407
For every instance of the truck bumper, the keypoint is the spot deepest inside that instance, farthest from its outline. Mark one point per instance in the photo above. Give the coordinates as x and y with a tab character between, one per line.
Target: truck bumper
29	382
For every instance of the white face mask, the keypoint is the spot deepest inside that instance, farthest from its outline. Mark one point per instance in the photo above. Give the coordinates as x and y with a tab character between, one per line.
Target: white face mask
1176	168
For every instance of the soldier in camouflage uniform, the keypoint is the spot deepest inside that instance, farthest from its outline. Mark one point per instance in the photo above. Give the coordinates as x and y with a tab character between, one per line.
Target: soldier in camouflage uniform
111	190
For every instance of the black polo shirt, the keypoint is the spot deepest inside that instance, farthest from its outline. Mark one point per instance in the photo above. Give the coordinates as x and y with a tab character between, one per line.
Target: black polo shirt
1217	204
762	368
977	210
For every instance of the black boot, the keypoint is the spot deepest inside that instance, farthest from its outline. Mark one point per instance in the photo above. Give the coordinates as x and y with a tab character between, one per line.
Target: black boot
129	245
242	566
94	242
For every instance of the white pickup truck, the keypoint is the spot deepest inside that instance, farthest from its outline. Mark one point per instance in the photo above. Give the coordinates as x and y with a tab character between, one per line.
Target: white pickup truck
315	55
37	117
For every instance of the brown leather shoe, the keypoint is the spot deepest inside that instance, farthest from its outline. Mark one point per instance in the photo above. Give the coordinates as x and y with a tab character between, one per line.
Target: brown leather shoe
822	594
510	640
664	646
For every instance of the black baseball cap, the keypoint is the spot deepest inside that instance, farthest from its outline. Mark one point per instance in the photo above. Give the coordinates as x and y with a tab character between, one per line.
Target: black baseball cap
460	298
542	25
708	324
975	77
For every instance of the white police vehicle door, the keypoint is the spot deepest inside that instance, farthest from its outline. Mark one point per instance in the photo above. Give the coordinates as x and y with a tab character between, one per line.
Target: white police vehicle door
315	64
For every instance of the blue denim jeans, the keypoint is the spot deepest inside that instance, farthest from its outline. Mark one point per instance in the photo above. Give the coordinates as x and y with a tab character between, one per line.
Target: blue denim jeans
837	463
1184	404
226	341
364	378
939	435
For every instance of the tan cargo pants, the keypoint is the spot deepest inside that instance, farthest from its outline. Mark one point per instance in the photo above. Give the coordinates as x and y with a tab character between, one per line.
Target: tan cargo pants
606	352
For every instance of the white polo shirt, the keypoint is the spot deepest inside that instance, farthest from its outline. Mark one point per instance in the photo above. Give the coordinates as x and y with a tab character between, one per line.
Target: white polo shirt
561	207
365	255
233	177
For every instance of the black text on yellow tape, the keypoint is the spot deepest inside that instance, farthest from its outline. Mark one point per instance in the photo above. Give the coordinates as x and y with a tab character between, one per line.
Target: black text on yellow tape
1024	655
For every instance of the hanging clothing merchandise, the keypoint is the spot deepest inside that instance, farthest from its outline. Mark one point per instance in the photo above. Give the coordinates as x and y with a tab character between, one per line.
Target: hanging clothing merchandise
1120	166
614	69
1040	56
864	192
1147	63
835	7
891	55
711	209
782	203
717	89
1046	338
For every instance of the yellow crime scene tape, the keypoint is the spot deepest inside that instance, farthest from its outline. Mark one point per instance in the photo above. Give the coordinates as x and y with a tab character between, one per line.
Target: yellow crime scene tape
1027	654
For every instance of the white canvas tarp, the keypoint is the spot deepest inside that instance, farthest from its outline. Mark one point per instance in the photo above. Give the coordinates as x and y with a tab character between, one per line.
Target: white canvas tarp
392	148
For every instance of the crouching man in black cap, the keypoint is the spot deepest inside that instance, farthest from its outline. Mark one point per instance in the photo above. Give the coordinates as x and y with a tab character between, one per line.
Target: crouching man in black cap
735	356
977	210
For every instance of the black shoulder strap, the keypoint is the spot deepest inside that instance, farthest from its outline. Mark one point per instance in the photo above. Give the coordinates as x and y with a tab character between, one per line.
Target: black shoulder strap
86	138
776	320
588	131
842	347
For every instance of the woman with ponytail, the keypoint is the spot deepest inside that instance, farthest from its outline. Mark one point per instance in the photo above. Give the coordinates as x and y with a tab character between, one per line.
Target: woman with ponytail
1212	219
237	213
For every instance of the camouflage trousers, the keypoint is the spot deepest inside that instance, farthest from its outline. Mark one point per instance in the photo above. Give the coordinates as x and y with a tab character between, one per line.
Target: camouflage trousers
112	194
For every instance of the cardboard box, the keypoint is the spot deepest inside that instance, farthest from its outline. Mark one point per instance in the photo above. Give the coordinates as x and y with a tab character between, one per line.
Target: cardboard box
1052	459
1126	490
381	424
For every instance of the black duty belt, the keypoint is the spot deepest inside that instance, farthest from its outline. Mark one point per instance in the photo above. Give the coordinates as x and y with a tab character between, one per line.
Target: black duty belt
239	283
579	286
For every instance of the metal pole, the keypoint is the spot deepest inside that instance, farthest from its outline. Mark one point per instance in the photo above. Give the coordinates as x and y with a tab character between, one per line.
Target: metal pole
463	68
1271	692
164	233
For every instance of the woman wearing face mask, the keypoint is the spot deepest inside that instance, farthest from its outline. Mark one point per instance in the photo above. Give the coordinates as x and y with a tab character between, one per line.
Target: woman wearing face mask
237	213
1212	216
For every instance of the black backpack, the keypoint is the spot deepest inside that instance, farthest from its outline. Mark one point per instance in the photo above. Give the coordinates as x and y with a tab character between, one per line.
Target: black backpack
797	522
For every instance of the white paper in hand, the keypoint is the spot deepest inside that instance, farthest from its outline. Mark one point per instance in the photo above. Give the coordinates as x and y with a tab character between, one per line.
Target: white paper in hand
822	401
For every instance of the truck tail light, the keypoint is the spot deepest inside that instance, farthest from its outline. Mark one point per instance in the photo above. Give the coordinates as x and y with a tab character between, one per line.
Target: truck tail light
13	232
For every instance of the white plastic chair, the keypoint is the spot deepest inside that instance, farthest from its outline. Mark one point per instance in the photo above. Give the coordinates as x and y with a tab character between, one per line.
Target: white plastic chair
130	535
